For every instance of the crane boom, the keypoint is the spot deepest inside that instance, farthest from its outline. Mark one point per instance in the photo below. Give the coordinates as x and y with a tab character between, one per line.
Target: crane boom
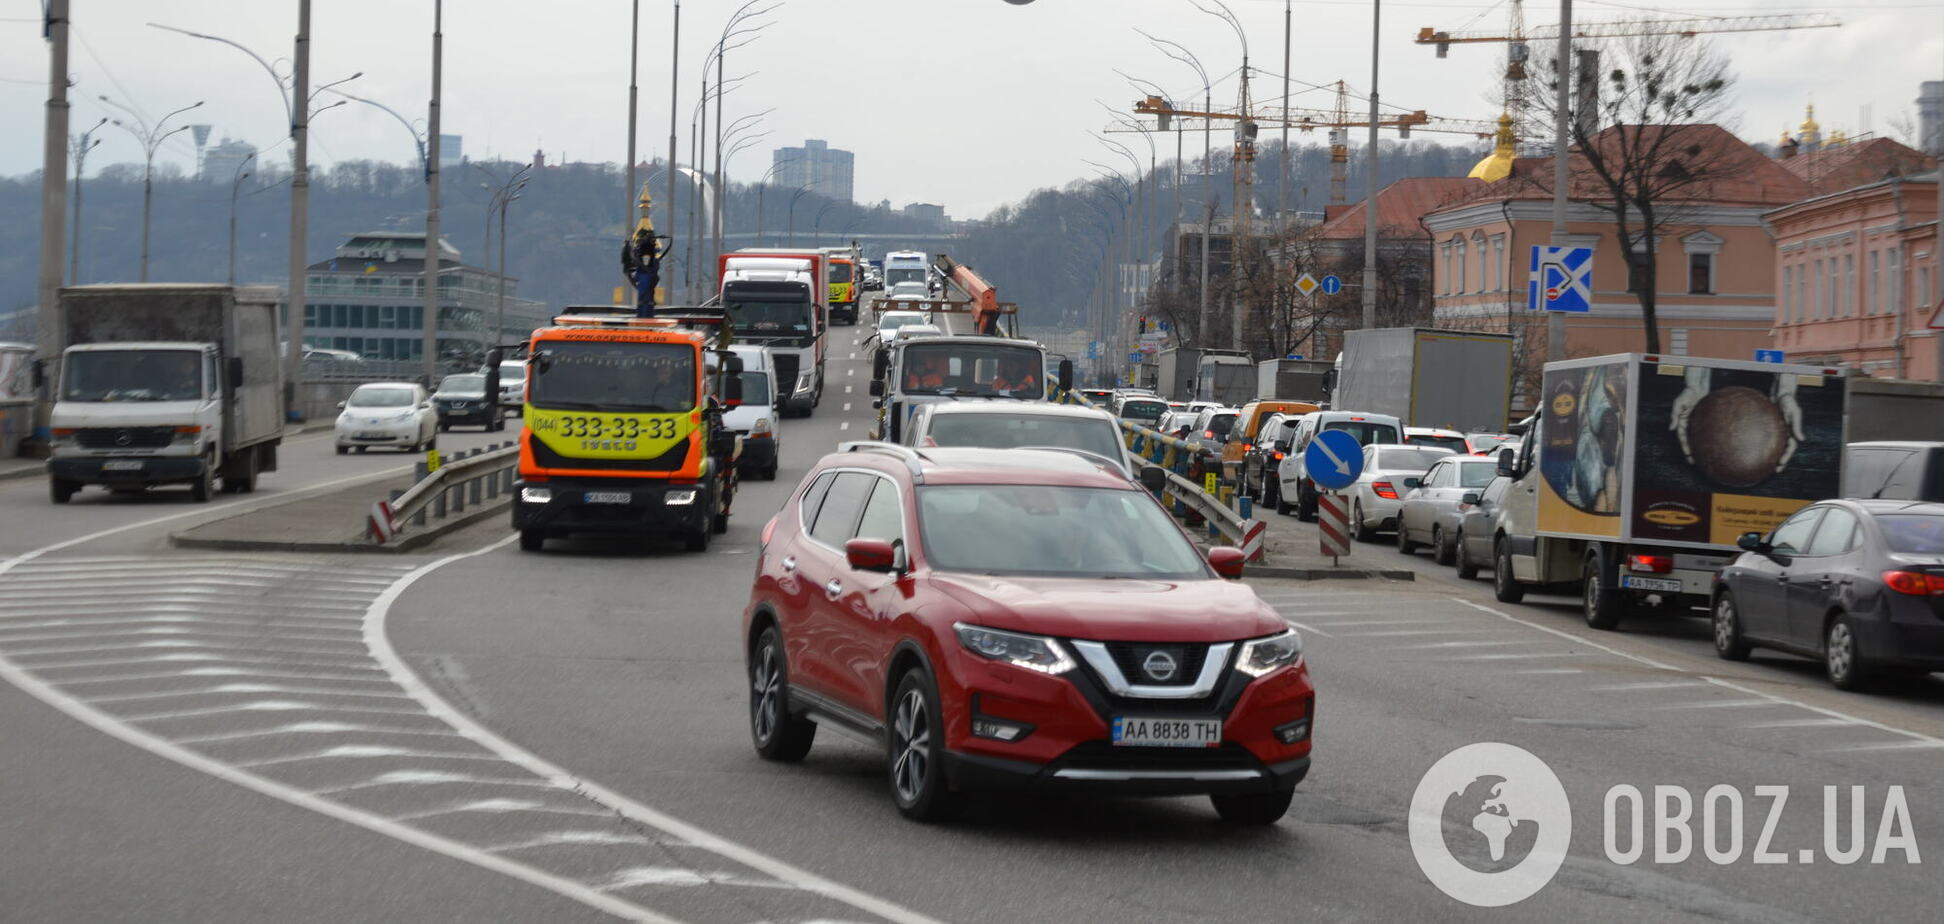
1687	28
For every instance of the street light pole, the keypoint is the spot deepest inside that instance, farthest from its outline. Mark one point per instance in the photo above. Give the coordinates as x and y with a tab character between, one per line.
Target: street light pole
1556	321
634	90
236	186
1180	53
83	143
47	323
297	106
1370	182
793	201
674	77
429	338
151	141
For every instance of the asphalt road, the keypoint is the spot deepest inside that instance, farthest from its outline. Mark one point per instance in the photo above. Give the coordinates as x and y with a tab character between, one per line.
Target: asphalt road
481	733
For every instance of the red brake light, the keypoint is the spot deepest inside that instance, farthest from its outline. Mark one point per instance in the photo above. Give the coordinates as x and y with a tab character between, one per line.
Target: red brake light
1384	490
1652	564
1209	434
1914	583
1279	456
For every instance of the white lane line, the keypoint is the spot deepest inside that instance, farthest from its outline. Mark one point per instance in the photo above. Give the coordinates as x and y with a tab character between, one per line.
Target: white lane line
180	643
230	688
1430	646
639	876
363	752
847	389
1720	704
318	728
852	356
431	778
1550	670
1404	633
844	425
847	405
381	648
167	630
152	660
1892	746
500	807
1528	656
1802	723
573	839
271	705
65	622
1380	622
851	371
1717	681
196	672
1649	685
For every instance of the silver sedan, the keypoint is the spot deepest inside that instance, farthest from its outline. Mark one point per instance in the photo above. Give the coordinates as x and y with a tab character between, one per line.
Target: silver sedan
1429	512
1389	471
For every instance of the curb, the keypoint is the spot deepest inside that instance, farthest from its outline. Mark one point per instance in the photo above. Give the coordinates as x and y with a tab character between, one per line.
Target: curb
38	468
1321	574
415	540
24	472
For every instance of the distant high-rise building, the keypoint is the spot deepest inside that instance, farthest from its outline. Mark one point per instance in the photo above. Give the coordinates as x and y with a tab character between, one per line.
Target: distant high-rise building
221	161
932	215
827	171
1930	117
452	150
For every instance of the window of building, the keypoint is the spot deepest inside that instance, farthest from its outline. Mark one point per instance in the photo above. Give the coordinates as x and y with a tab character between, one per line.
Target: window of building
1636	271
1484	259
1876	284
1816	293
1893	288
1700	274
1788	294
1458	253
1677	341
1498	262
1802	286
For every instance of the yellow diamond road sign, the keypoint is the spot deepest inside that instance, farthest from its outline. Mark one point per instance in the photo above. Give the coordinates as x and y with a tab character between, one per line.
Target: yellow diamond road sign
1307	284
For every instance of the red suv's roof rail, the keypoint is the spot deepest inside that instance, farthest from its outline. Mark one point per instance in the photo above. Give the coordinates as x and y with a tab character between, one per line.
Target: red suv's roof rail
910	456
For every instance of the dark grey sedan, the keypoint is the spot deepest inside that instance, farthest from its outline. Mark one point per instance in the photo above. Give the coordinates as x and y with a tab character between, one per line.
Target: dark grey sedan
1856	584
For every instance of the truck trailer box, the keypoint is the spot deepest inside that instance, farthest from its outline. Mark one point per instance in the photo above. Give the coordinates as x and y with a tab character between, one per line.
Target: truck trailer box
1684	451
1175	369
1895	409
1292	380
1460	380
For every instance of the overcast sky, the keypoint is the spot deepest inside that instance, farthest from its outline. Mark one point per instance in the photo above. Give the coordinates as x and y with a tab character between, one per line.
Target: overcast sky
971	103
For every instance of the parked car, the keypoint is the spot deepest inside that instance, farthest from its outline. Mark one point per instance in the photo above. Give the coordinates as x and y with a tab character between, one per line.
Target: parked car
1243	436
1428	514
1178	423
1857	584
1477	524
1007	425
512	384
1211	427
461	401
757	420
1295	492
1273	442
1100	397
1019	619
387	414
1388	472
1894	470
1432	436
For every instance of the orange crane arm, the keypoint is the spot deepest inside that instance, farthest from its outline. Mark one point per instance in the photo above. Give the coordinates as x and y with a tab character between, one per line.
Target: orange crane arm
985	299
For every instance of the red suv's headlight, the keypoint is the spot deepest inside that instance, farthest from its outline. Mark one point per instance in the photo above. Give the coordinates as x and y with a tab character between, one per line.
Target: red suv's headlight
1263	655
1032	652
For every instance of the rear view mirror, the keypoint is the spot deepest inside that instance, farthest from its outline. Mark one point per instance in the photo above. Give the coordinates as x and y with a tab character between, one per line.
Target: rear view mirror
1226	560
732	364
877	388
1066	375
40	374
1413	482
1752	542
1282	446
340	405
1154	478
879	362
732	392
871	555
1508	460
1470	499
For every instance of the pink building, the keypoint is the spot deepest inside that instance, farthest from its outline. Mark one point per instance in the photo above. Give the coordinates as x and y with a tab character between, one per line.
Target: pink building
1714	263
1859	277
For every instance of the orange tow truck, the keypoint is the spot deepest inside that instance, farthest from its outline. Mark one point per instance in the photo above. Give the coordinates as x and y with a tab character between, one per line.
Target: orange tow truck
622	427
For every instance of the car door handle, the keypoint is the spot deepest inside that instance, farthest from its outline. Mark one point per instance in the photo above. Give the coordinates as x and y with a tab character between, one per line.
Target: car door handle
789	563
834	588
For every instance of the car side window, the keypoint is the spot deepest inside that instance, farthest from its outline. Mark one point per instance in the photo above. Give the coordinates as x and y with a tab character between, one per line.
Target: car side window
1903	475
841	507
1793	534
1495	491
883	519
1836	535
1432	475
813	498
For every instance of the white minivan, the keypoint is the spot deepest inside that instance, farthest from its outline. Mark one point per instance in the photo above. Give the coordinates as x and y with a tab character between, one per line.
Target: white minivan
1298	492
757	420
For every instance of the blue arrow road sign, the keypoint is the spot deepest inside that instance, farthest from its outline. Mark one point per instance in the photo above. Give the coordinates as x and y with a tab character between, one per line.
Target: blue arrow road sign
1333	460
1332	285
1769	356
1560	279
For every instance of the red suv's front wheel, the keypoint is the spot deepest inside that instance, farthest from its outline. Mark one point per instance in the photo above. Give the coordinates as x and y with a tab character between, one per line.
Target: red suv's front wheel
916	750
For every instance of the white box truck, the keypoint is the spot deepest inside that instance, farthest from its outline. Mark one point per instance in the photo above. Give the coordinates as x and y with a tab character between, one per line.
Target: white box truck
1457	380
165	383
1639	473
1293	380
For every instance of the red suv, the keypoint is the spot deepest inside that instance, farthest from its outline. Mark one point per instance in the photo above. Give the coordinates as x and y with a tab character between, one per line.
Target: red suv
1019	618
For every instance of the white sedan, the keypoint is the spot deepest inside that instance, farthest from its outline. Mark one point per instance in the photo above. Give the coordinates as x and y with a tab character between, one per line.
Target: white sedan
396	414
1377	493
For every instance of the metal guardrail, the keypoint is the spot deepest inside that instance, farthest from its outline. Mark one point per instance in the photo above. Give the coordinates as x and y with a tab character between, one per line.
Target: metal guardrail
472	478
1184	461
369	370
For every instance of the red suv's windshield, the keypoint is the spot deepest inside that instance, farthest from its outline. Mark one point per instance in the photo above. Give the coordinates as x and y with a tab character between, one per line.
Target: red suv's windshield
1052	531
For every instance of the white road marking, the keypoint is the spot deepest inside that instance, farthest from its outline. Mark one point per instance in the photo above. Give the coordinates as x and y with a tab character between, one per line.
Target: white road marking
317	728
1720	704
1528	656
844	425
631	809
1892	746
847	389
1650	685
1400	633
1550	670
1717	681
1379	622
1802	723
1310	629
1437	645
847	405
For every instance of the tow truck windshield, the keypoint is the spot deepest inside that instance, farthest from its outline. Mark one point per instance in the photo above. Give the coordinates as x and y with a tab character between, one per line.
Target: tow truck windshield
966	370
840	272
621	377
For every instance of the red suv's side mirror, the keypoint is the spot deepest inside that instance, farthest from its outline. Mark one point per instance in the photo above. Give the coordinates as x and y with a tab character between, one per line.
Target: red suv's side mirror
1226	560
871	555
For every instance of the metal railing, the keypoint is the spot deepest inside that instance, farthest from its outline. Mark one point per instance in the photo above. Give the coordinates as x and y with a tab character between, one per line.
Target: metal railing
1184	461
471	479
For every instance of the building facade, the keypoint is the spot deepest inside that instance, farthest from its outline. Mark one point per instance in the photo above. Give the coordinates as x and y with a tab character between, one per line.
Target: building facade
222	162
369	298
825	170
1859	279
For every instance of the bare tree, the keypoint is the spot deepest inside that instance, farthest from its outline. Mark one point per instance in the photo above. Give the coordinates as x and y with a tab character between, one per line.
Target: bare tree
1651	146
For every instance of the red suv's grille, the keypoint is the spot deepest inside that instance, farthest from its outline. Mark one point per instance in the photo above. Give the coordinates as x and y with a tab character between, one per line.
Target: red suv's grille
1185	660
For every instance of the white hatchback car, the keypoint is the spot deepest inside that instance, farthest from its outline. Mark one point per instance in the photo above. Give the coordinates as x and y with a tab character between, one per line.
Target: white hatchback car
396	414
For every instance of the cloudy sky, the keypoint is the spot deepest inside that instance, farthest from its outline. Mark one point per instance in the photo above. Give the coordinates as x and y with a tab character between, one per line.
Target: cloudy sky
971	103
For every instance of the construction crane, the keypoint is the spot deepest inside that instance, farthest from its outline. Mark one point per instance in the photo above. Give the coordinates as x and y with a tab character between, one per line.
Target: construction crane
1686	28
1338	120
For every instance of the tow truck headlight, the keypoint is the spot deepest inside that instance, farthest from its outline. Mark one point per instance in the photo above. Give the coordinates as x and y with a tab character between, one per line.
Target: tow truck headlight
1032	652
679	498
532	495
1263	655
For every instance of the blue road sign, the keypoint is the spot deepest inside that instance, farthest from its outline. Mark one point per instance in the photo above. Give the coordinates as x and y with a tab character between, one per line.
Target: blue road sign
1332	285
1093	349
1333	460
1134	357
1294	356
1560	279
1769	356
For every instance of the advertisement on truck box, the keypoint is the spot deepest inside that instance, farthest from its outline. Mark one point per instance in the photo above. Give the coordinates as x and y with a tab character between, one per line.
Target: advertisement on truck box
1684	453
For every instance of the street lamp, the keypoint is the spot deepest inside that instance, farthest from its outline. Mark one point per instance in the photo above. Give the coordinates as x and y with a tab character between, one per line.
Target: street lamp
761	186
1180	53
236	186
151	138
800	190
504	193
82	144
816	226
730	29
